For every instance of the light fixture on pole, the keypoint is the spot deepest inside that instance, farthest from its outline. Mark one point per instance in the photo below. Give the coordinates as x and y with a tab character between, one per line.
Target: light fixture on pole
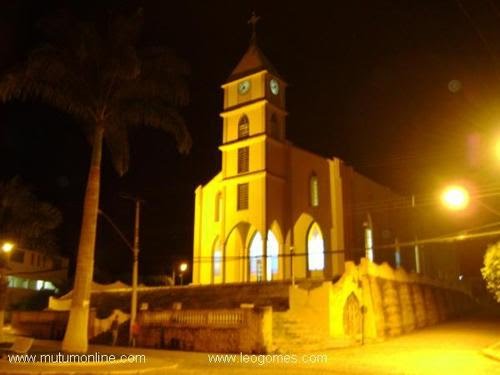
455	197
182	268
7	247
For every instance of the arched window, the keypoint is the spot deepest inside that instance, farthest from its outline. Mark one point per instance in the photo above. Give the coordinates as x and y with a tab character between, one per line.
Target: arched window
243	127
313	191
256	253
272	255
218	206
217	259
315	249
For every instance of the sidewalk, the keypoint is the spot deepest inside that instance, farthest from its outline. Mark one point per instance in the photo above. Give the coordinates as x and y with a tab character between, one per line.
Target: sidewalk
127	361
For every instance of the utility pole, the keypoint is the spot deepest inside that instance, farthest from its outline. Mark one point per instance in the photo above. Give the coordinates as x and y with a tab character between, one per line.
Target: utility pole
416	248
135	267
417	256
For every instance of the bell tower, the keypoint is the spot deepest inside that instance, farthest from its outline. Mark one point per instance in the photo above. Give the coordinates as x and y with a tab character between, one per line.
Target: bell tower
254	102
253	151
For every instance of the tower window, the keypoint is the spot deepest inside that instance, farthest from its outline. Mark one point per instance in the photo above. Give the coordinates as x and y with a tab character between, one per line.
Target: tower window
314	191
243	127
242	197
218	203
243	159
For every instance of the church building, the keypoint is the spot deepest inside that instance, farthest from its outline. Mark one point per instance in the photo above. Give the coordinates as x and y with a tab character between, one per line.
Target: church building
275	211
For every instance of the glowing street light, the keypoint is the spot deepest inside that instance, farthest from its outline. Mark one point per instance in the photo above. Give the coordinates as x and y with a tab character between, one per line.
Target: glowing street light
7	247
455	197
182	268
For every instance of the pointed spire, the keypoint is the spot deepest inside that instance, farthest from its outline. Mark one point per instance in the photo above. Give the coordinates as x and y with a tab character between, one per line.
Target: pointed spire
253	60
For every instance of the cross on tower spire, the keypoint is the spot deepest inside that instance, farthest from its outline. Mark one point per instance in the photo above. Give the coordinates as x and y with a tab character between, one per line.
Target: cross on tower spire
253	21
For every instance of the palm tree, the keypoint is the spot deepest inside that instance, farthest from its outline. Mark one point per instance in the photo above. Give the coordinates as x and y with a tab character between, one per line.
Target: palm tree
101	77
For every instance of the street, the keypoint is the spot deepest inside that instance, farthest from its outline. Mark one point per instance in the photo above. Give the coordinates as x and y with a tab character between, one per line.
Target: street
449	348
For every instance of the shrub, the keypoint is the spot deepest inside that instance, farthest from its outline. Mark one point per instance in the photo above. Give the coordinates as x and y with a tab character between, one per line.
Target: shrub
491	270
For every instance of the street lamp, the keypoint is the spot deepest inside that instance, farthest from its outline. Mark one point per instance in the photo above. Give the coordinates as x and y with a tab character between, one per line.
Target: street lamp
455	197
7	247
182	268
135	253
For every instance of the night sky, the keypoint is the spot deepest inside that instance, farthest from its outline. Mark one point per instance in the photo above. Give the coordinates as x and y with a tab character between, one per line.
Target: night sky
404	91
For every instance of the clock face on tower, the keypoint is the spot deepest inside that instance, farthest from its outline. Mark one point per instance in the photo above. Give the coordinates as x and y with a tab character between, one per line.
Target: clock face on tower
244	86
274	86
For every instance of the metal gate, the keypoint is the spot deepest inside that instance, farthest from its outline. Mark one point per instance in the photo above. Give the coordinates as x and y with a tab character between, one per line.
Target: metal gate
352	317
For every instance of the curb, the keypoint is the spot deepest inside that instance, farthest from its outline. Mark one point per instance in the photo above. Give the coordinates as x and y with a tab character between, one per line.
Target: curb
146	371
154	365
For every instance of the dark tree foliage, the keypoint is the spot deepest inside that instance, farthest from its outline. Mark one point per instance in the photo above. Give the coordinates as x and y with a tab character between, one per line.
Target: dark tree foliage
101	77
25	220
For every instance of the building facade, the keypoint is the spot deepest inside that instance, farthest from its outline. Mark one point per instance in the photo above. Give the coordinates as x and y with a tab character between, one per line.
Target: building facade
29	269
275	211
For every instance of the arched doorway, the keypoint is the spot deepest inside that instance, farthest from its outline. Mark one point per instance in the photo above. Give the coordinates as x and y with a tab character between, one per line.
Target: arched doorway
234	253
273	249
217	260
352	317
315	250
256	255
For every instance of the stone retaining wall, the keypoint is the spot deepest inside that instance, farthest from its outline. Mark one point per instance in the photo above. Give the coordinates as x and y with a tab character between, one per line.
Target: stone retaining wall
51	325
393	302
369	302
46	325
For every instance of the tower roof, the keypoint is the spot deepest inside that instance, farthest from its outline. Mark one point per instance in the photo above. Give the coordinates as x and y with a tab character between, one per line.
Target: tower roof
253	61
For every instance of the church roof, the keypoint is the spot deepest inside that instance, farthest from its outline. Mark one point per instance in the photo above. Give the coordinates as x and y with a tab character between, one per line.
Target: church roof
253	61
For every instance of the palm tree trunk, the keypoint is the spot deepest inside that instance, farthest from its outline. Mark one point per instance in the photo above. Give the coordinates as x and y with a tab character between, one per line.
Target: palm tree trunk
3	297
76	336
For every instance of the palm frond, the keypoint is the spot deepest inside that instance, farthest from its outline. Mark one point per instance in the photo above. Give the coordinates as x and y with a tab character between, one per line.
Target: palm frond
101	77
50	76
159	115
